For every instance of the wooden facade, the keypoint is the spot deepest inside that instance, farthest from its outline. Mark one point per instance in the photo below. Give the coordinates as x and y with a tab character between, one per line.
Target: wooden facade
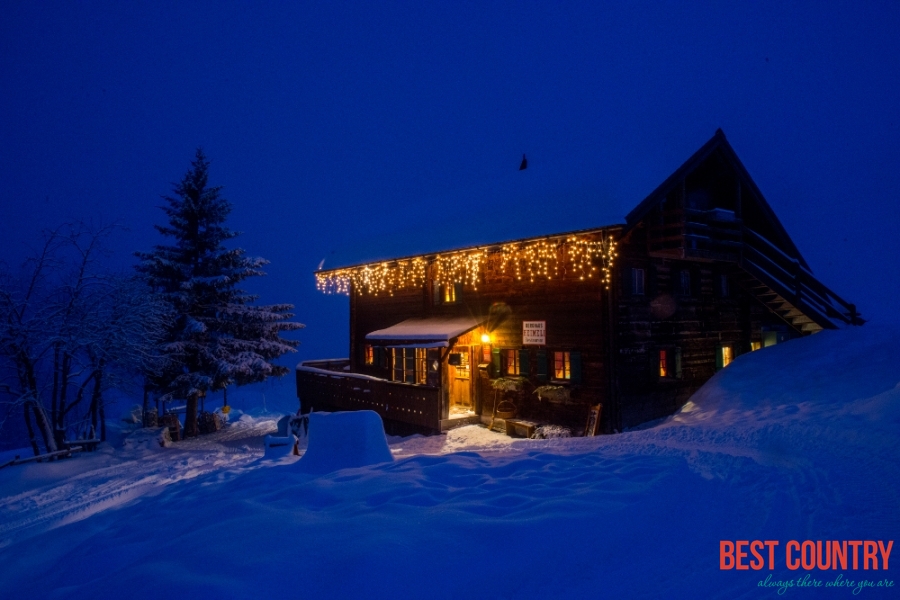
634	317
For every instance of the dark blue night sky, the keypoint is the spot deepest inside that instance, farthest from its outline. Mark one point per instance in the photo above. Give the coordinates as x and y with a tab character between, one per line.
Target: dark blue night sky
357	131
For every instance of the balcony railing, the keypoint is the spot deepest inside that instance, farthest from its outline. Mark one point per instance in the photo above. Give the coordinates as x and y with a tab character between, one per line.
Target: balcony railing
414	404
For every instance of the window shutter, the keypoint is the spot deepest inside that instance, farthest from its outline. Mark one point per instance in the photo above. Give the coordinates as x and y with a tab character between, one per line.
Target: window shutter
377	351
524	365
719	360
457	292
677	363
575	367
436	292
496	366
541	367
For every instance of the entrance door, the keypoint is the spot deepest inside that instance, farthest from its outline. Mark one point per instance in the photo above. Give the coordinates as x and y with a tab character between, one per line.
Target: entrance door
460	377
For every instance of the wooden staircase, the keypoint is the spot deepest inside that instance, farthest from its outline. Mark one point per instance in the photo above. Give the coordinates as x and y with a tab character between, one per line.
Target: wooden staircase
789	289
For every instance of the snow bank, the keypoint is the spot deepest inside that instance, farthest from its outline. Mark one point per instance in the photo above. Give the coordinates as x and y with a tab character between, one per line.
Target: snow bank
344	440
794	442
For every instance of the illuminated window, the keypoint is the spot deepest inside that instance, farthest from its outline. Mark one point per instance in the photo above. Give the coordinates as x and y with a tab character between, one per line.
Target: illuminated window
724	356
397	360
669	366
421	365
727	356
370	354
755	345
512	361
637	282
410	365
449	293
562	365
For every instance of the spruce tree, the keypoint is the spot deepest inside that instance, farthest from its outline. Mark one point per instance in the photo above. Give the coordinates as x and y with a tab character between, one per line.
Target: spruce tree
219	336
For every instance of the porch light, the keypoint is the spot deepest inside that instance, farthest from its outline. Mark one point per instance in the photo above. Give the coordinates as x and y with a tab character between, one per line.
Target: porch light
485	338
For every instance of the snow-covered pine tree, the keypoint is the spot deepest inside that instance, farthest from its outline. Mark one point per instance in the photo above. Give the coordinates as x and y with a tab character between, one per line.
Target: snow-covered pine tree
218	337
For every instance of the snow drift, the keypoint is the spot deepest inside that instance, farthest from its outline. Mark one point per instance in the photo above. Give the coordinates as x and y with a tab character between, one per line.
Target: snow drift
344	440
794	442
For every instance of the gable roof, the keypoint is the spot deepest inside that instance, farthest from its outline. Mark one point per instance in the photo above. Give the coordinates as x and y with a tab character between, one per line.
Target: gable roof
717	142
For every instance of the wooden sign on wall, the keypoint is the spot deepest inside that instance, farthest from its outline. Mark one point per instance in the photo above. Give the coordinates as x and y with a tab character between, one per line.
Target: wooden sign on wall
534	333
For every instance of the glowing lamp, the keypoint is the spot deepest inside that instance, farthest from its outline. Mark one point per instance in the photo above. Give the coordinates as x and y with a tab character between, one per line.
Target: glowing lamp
485	338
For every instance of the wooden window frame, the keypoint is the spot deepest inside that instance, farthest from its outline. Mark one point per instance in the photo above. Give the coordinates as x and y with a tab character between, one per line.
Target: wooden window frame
510	367
443	293
421	374
669	363
685	283
638	281
409	365
562	361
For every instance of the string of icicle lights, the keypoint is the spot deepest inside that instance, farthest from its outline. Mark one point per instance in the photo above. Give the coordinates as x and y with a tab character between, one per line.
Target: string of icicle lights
578	257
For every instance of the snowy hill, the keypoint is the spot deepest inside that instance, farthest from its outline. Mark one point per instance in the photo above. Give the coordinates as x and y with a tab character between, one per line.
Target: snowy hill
794	442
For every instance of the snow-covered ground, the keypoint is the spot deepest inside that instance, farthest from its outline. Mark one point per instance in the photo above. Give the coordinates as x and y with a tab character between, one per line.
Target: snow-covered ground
795	442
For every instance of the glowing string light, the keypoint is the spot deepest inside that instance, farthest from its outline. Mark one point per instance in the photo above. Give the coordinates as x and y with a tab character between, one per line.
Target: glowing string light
582	257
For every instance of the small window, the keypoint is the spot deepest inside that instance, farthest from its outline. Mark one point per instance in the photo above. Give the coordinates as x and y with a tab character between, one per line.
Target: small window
670	363
512	362
684	282
723	285
637	282
449	293
369	354
562	363
755	346
446	293
724	356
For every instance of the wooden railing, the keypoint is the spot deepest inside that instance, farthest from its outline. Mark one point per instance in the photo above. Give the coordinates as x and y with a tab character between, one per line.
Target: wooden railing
414	404
718	235
786	276
705	234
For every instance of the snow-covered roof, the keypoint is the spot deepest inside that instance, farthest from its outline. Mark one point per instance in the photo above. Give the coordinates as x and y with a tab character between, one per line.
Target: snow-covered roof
434	329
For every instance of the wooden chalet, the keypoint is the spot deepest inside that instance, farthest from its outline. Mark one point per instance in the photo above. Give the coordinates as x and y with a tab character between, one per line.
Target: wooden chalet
634	317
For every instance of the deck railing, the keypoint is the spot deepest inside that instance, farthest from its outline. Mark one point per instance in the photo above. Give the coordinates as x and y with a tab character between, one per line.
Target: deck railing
414	404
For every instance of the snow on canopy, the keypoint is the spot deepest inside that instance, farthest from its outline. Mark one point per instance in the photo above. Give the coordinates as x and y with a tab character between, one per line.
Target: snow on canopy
438	329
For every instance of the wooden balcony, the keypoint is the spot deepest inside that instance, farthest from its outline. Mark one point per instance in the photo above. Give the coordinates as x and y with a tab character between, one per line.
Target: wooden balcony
709	235
407	403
